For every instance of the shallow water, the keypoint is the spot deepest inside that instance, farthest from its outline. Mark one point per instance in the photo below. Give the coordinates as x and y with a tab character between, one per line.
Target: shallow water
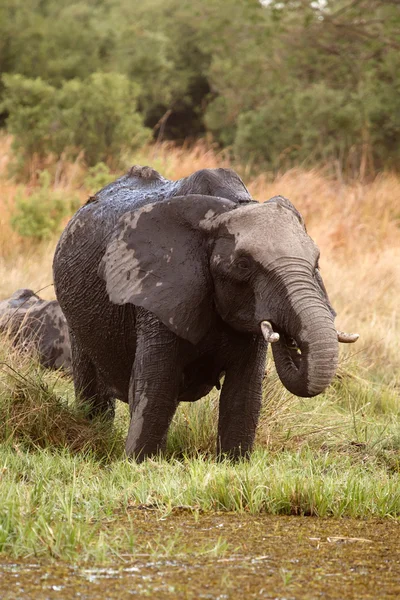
222	555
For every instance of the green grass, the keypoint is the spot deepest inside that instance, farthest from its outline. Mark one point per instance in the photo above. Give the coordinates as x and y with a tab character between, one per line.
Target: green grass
67	491
67	506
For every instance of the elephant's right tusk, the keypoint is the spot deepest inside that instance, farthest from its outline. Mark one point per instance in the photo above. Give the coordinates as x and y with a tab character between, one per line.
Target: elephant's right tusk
269	334
347	338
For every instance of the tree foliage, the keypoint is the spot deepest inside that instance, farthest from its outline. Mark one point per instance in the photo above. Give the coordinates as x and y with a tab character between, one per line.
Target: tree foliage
97	115
279	81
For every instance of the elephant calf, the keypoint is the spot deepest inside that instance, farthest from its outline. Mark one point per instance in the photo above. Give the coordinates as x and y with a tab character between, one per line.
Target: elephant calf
39	324
166	285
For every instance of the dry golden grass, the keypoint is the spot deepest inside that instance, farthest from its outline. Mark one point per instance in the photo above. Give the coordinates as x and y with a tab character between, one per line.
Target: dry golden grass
356	225
36	412
22	262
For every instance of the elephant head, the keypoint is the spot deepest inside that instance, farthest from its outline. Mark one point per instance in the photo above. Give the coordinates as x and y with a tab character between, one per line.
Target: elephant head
194	257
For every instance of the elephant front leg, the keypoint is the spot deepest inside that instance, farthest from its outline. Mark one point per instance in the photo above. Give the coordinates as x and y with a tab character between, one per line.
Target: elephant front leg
154	387
240	400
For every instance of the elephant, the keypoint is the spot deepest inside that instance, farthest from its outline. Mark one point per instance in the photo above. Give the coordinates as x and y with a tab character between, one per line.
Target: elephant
37	324
167	286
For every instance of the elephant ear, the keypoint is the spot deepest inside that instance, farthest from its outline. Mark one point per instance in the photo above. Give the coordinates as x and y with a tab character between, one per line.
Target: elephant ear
285	203
157	259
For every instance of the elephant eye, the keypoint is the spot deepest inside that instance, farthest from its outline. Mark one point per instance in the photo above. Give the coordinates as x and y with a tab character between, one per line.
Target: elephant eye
243	264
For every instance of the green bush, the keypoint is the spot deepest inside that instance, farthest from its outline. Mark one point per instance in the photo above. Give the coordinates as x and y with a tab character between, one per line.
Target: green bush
41	215
308	125
98	177
32	111
261	134
97	115
101	113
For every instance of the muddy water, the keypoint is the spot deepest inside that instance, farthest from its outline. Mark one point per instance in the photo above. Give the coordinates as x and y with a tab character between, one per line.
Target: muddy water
227	556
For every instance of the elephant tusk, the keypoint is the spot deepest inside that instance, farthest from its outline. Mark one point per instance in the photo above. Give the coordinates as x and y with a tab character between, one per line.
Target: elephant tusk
347	338
269	334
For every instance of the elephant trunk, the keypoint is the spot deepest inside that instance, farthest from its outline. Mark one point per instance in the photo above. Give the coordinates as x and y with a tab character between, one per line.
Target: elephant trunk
306	354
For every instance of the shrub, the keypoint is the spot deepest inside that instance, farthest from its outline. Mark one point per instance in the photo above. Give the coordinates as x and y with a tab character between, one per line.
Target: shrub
98	177
101	111
40	215
261	134
97	115
308	125
32	111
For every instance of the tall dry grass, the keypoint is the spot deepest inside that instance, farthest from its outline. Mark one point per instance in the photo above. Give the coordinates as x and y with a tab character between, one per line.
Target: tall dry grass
355	224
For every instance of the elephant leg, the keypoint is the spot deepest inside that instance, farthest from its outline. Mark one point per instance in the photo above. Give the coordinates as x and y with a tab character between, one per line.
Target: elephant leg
240	399
154	387
89	389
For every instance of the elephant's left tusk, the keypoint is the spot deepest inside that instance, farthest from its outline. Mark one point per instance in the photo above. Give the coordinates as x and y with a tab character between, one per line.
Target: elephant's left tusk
347	338
269	334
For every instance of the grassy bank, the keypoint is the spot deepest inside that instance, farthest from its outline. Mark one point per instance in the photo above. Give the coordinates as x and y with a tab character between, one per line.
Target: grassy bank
68	492
66	489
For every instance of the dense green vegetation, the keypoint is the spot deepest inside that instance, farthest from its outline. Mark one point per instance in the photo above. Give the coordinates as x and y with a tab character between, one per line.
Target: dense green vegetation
41	214
277	82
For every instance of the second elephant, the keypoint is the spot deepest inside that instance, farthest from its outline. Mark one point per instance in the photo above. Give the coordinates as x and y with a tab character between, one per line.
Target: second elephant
37	324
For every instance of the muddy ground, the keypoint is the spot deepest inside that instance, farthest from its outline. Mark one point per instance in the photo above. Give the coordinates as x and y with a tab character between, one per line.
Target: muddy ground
225	556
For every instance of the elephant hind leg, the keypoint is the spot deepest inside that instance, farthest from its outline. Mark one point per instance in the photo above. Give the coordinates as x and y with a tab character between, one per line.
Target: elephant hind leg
89	389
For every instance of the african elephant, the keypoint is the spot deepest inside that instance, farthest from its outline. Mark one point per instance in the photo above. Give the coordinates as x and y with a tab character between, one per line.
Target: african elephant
39	324
167	285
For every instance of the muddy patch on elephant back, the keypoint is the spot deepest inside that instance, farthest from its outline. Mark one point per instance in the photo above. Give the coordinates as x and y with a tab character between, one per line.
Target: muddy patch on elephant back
186	555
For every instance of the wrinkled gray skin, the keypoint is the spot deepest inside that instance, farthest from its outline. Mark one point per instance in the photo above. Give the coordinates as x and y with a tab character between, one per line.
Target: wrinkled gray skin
39	324
164	286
